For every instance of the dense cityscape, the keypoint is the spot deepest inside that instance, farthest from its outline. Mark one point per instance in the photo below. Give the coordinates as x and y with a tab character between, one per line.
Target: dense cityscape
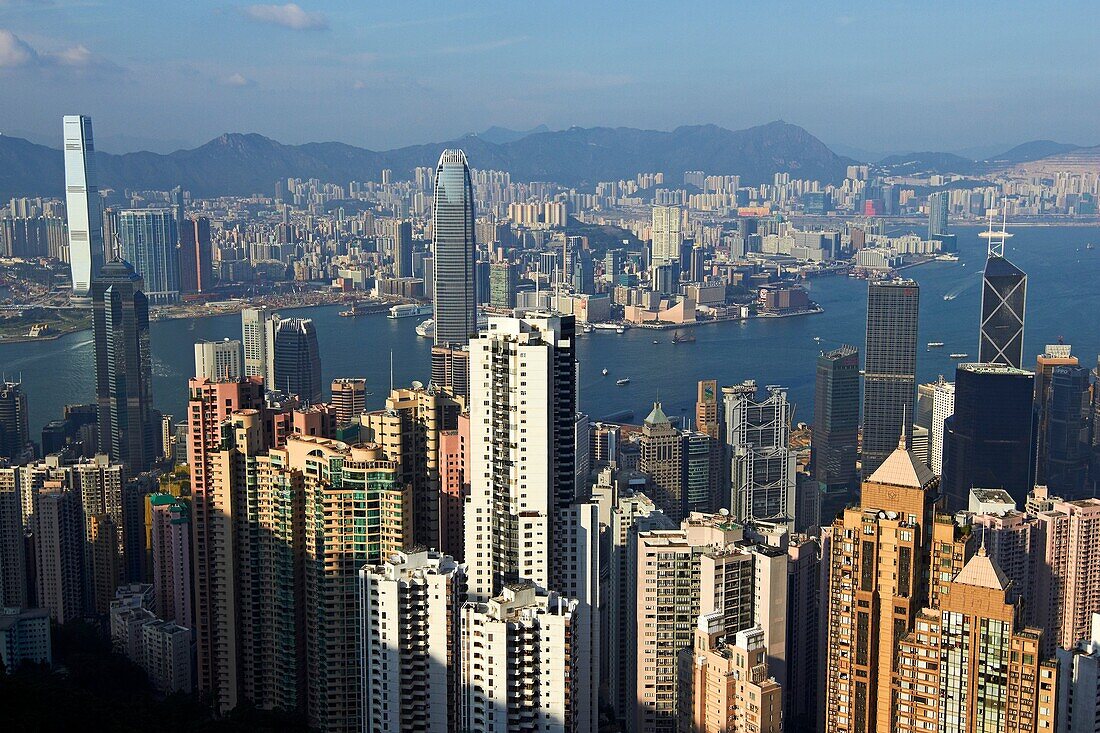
483	549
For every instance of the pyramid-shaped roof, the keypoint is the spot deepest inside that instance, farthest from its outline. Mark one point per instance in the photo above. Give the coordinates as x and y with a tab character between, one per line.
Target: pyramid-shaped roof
657	416
902	468
981	572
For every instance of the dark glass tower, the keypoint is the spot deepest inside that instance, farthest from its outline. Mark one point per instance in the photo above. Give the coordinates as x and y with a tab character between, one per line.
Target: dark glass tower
1004	292
455	251
14	431
836	424
1067	432
987	443
890	368
124	367
298	359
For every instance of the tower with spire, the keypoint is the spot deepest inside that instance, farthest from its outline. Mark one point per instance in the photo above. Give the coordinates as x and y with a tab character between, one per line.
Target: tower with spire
1004	296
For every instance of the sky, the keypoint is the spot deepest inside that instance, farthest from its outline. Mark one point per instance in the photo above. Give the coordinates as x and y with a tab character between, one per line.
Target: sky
878	76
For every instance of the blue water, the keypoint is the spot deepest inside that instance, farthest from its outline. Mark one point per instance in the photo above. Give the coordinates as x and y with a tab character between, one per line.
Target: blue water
1063	301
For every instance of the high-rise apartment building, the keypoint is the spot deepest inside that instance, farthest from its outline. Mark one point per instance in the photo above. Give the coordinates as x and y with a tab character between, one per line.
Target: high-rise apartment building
99	484
1004	297
987	442
1079	683
349	398
123	367
455	251
82	206
667	235
411	660
257	337
149	239
758	433
14	431
296	367
195	255
731	689
1068	586
58	527
170	558
835	445
219	360
13	556
661	458
454	456
890	367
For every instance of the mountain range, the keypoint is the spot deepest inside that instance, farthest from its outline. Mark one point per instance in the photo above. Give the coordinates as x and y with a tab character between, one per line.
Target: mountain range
249	163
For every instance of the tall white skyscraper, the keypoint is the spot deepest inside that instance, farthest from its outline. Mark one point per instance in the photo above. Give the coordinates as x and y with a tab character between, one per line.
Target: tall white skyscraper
219	360
82	205
258	327
667	235
943	407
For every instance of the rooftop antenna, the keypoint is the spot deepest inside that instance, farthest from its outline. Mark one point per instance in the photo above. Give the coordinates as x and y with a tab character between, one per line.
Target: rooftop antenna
996	238
391	370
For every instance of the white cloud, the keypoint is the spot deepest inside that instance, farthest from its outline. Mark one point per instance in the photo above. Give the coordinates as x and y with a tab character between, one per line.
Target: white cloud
237	80
290	16
15	52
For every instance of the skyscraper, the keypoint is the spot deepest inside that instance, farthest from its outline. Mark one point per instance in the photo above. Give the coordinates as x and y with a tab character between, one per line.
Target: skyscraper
349	396
148	239
195	255
1004	297
219	360
758	433
123	367
661	458
455	251
667	235
258	338
1067	432
14	433
402	249
297	359
836	425
502	285
82	205
890	367
937	214
1053	356
943	407
987	441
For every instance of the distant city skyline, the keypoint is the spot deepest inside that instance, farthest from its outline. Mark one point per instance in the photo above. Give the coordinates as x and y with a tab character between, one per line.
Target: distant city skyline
330	70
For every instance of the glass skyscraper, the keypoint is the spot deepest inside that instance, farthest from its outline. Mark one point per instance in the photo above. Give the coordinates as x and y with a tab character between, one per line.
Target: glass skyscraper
1004	294
148	238
1067	432
297	368
836	426
890	368
455	250
82	205
123	367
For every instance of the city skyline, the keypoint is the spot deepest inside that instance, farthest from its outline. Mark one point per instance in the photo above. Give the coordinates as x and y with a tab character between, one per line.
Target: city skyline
393	66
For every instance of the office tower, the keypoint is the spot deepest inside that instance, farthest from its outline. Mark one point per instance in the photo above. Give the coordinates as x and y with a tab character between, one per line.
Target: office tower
58	526
411	606
503	279
867	611
402	249
409	430
731	690
1069	575
149	239
1004	297
943	407
82	206
801	693
758	433
890	367
349	397
742	584
1054	355
454	451
521	659
835	444
123	367
937	214
451	370
582	276
661	457
24	637
706	408
170	550
633	513
257	339
988	673
455	250
987	441
13	559
700	487
522	445
666	235
14	433
195	255
1079	683
297	360
1067	446
210	404
219	360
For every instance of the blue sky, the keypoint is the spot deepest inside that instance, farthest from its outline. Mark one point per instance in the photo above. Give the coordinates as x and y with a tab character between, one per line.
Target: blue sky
880	76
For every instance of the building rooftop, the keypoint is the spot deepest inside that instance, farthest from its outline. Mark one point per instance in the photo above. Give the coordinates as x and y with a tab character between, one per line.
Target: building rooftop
903	468
981	572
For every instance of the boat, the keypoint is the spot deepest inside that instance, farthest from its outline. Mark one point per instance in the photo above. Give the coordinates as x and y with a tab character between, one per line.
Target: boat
959	356
407	310
623	382
655	341
935	344
950	296
1090	245
588	328
426	329
678	339
620	330
817	339
604	372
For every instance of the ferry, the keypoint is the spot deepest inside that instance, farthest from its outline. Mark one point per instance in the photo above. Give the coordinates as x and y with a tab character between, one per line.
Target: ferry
620	330
407	310
588	328
623	382
426	329
678	339
959	356
935	344
947	257
1090	245
604	371
950	296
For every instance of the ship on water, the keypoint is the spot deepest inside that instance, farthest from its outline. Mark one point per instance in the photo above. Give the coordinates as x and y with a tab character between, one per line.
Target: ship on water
677	338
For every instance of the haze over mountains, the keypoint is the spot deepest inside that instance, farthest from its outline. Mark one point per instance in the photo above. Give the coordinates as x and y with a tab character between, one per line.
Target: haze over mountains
248	163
